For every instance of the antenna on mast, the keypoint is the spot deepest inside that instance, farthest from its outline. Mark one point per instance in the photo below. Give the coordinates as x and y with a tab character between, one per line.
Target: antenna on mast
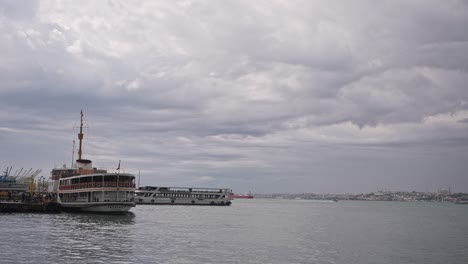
80	135
73	154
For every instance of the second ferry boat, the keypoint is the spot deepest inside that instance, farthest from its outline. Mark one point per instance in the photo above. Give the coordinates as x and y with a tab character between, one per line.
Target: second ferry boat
182	196
242	196
84	188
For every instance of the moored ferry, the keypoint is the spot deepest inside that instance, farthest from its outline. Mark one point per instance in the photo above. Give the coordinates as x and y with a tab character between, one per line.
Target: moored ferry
462	200
182	196
241	196
84	188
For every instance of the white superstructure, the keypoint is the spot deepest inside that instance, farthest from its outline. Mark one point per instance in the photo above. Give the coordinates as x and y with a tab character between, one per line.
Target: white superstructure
182	196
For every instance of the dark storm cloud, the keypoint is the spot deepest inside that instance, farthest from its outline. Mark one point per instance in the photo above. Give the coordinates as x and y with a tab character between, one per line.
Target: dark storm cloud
19	9
266	93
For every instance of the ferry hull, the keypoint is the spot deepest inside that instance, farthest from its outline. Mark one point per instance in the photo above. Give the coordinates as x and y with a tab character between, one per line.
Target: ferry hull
184	202
241	196
103	208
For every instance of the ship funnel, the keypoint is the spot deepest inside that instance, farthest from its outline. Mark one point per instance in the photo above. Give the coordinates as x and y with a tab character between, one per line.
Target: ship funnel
84	164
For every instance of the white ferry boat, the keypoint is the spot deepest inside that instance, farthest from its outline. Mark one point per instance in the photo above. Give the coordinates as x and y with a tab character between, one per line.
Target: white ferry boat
182	196
88	189
462	200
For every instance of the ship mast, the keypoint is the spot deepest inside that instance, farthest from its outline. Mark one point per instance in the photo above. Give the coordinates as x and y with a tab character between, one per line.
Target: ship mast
80	136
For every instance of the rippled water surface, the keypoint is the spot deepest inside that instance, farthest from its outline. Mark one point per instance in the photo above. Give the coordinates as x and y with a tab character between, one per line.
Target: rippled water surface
249	231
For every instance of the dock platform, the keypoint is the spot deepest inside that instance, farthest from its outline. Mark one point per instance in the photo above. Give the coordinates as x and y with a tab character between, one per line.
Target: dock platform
25	207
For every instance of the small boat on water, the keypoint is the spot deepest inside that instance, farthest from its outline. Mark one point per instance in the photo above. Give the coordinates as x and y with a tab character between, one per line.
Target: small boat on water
84	188
241	196
182	196
462	200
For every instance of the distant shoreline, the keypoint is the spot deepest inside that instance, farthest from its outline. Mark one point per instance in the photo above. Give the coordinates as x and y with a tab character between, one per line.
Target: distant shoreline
444	196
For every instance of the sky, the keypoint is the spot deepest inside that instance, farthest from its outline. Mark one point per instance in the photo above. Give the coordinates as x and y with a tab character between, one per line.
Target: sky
267	96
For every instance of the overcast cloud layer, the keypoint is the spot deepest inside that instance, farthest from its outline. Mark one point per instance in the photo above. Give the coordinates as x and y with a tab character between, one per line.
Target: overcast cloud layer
267	96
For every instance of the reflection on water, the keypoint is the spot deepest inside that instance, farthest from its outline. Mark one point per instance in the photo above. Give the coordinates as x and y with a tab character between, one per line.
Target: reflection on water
251	231
85	237
100	219
67	238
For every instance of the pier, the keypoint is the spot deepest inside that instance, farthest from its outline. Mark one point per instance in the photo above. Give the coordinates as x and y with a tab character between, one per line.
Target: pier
29	203
24	207
20	193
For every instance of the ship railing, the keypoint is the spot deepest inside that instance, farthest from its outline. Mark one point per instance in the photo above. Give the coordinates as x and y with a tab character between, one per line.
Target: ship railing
193	190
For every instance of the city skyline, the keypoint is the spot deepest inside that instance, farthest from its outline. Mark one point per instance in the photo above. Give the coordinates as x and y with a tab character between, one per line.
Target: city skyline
263	96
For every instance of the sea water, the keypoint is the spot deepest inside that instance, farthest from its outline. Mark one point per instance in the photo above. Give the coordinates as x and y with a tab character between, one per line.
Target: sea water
248	231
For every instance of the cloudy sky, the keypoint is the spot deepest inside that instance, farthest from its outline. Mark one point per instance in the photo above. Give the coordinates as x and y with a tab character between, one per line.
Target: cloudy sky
263	96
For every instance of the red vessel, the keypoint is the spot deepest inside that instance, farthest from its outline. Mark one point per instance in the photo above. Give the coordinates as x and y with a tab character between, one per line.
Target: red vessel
241	196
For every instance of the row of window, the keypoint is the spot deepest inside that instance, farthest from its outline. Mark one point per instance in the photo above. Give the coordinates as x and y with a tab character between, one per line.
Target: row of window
179	195
97	197
95	185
